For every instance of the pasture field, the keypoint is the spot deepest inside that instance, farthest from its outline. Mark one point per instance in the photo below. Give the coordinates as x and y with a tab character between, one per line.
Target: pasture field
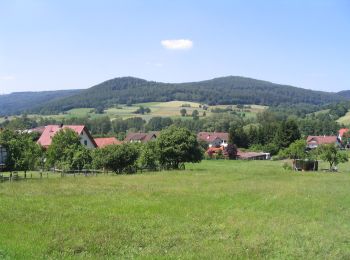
345	119
212	210
163	109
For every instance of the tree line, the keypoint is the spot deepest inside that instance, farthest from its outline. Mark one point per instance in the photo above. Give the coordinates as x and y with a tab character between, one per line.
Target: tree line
271	130
174	147
225	91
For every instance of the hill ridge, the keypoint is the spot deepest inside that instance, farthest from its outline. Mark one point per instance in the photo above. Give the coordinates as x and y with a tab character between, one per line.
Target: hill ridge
219	90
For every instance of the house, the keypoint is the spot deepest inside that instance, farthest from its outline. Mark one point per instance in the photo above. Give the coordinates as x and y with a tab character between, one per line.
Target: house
214	139
214	151
140	137
314	141
343	136
103	142
342	132
50	130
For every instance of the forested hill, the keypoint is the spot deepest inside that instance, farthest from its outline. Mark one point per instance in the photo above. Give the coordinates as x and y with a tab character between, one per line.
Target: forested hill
18	102
344	93
225	90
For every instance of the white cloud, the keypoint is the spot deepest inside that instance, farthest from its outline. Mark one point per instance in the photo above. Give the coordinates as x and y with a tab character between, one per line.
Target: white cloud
7	77
180	44
155	64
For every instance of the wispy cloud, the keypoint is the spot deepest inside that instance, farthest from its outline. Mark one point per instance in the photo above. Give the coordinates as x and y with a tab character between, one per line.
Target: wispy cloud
180	44
7	77
155	64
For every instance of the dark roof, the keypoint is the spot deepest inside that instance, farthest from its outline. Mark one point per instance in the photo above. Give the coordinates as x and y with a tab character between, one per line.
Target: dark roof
322	139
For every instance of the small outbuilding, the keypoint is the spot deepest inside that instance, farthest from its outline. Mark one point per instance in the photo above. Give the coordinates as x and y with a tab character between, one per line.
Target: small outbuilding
305	165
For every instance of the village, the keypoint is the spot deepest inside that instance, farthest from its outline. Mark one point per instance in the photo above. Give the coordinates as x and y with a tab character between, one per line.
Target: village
214	145
174	129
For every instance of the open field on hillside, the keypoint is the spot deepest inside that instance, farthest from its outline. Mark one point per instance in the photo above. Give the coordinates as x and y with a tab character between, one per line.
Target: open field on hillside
163	109
345	119
215	209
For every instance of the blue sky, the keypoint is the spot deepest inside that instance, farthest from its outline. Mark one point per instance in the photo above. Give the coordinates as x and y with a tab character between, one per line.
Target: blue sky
47	45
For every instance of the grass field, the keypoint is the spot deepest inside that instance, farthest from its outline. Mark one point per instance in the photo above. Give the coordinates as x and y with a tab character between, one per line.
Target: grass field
345	119
163	109
212	210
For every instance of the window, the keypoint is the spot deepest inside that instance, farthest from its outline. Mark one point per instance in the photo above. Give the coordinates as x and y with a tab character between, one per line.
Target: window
85	142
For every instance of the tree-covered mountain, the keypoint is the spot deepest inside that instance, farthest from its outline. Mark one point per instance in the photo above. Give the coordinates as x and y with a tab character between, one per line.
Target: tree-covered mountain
18	102
225	90
345	94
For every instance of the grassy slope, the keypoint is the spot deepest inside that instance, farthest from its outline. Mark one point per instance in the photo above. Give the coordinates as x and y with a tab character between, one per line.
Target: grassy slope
169	109
217	209
345	119
163	109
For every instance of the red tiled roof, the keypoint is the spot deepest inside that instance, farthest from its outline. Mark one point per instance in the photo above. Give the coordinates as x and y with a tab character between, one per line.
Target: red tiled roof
102	142
322	139
211	136
343	131
50	130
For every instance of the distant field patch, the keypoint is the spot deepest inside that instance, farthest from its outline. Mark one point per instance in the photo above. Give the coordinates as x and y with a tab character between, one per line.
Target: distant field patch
345	119
162	109
178	104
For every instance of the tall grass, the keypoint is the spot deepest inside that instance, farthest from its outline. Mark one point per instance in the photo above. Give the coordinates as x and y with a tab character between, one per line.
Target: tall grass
216	209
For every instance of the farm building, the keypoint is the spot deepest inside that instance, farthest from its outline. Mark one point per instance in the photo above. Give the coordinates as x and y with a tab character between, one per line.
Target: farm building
342	132
103	142
140	137
344	137
253	156
50	130
314	141
214	139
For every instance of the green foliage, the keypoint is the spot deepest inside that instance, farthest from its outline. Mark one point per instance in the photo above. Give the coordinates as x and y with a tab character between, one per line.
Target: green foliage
183	112
99	125
18	102
142	110
287	132
231	151
149	157
158	123
22	152
61	152
121	158
20	123
99	158
82	159
225	90
195	114
177	146
296	150
238	137
332	155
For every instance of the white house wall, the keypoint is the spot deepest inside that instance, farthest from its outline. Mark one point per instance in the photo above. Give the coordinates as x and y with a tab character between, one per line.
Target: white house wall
85	137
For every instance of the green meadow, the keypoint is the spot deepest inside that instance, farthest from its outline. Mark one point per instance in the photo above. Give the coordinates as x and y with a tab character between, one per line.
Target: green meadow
212	210
162	109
